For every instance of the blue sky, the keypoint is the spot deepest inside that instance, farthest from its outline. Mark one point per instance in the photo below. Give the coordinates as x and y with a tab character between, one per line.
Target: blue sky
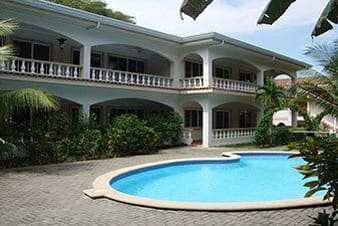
237	19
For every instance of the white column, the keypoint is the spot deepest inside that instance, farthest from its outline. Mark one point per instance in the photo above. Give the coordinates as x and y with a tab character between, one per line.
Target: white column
207	125
177	72
294	115
207	69
86	110
85	55
260	78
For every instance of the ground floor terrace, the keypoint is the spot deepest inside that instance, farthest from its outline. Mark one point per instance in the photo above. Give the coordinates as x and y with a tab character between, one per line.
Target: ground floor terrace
210	118
52	195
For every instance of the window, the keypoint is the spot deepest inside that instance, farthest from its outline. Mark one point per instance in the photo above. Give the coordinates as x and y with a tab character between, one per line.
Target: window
75	113
30	50
193	118
96	60
222	73
245	119
246	77
124	64
76	57
193	69
222	119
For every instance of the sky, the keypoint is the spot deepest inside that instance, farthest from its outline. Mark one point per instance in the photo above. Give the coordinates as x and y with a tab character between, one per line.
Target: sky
290	35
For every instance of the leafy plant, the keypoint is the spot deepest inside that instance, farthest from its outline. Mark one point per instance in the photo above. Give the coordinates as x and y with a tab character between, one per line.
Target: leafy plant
280	136
96	6
168	127
325	219
313	123
5	148
321	155
130	135
263	130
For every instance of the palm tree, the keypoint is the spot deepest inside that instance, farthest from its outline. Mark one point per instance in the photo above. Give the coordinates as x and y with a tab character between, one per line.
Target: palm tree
11	101
271	96
323	93
313	123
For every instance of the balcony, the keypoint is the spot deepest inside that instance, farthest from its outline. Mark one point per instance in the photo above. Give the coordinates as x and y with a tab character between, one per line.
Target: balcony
130	78
23	66
234	85
51	69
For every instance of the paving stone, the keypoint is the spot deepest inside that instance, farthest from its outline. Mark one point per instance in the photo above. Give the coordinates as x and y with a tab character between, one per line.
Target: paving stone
52	195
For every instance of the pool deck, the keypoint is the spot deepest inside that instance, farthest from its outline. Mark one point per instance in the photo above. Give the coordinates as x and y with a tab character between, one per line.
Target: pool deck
52	195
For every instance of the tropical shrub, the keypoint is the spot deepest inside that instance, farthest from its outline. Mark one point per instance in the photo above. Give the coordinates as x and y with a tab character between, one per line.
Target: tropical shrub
280	136
263	130
168	128
321	155
131	135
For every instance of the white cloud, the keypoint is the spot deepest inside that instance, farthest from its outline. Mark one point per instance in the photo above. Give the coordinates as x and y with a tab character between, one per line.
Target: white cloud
224	16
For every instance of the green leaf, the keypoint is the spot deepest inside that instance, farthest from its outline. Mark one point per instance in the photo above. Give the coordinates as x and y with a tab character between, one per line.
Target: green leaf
330	13
194	8
312	192
311	184
274	10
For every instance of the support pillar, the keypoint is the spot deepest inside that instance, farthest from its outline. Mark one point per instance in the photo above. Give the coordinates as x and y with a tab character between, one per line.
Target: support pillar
207	125
294	115
260	78
207	69
85	56
86	111
177	72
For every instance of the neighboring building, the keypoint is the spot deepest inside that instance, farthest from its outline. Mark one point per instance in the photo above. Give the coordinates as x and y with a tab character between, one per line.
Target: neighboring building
283	118
108	67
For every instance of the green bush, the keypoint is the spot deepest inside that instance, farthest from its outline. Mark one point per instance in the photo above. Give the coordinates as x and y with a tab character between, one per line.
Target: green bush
263	130
280	136
168	128
131	136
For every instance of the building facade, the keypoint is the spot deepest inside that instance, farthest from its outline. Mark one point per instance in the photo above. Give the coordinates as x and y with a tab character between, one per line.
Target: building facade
107	67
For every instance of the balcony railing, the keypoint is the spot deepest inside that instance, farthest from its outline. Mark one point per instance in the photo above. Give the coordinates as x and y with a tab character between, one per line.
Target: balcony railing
233	85
220	134
38	67
189	83
130	78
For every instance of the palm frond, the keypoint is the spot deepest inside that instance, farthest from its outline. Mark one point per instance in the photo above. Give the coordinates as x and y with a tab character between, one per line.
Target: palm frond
7	27
322	96
34	99
323	53
6	52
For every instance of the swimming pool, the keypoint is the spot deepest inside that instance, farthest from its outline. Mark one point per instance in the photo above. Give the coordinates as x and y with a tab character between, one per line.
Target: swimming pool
260	180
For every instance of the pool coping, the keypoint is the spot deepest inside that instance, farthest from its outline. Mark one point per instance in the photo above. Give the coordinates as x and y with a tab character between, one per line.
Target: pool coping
102	189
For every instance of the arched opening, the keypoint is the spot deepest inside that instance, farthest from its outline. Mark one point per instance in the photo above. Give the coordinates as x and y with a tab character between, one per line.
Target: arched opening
127	58
107	111
234	115
44	52
233	123
193	121
285	117
233	69
281	78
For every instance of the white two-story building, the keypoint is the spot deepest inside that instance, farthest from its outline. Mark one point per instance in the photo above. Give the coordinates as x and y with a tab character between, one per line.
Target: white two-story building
107	67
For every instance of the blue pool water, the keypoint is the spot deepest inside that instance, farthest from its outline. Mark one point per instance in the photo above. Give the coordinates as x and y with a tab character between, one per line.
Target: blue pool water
254	178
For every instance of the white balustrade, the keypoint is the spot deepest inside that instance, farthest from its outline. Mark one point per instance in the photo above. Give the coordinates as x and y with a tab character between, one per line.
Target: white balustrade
38	67
220	134
195	82
233	85
130	78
